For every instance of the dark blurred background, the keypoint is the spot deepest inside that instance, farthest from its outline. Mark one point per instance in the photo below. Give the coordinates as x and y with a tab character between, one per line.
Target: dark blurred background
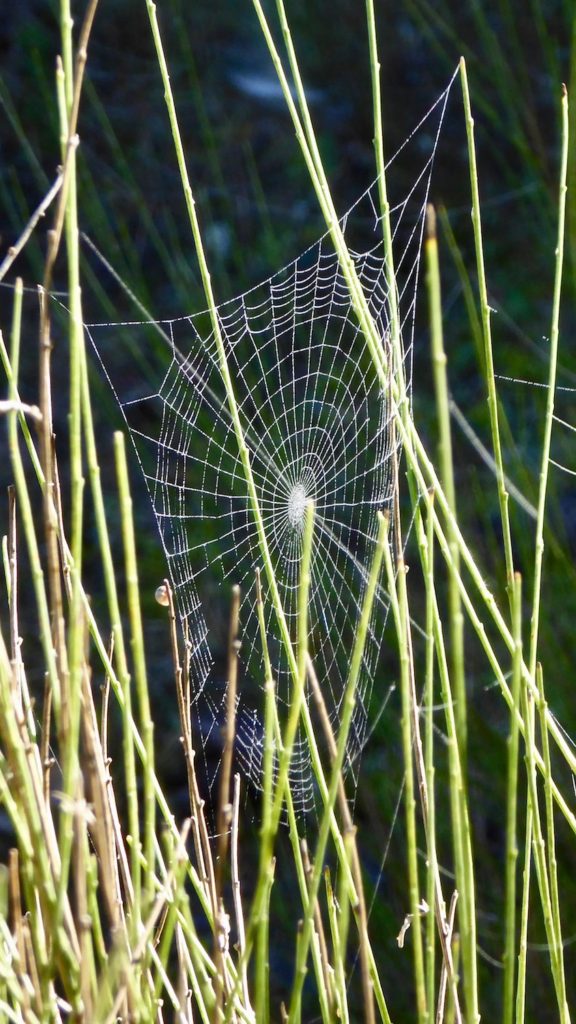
258	211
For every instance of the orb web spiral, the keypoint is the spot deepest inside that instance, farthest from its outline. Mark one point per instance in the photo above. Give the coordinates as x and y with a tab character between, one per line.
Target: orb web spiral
317	426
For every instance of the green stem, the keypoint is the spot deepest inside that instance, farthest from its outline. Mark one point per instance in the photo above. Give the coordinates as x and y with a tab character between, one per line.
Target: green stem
129	759
520	1003
538	849
511	811
431	852
461	835
383	193
398	600
487	333
140	680
550	393
550	847
262	969
446	460
24	501
76	626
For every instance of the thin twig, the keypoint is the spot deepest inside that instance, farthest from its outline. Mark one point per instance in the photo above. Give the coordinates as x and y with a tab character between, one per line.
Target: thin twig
8	405
38	985
327	969
14	630
20	685
45	756
102	798
82	918
221	923
444	975
39	212
15	904
236	891
105	705
199	829
224	806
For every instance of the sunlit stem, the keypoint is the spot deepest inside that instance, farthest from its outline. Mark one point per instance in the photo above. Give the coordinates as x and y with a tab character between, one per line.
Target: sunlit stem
487	334
550	394
398	600
384	201
129	758
431	852
550	850
140	677
511	811
555	952
461	836
446	461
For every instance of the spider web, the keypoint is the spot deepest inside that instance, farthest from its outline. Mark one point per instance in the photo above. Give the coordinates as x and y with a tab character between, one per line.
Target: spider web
317	425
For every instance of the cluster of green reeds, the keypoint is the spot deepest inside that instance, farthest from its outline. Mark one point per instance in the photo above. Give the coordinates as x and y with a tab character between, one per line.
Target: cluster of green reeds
112	910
